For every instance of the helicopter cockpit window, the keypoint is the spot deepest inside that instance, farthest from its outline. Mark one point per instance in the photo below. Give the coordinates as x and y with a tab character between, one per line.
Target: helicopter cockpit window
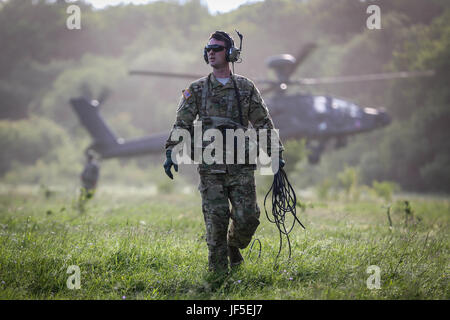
320	104
346	107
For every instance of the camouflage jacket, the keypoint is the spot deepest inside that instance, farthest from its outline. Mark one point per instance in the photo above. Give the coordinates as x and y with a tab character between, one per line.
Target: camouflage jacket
220	101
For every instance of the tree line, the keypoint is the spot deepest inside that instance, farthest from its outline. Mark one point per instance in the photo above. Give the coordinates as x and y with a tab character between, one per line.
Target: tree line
43	65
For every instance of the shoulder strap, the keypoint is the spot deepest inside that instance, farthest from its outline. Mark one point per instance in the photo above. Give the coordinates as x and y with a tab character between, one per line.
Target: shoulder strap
205	90
230	106
238	97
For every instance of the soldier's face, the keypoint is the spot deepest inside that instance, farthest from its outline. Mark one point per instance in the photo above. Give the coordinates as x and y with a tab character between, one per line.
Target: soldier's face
217	59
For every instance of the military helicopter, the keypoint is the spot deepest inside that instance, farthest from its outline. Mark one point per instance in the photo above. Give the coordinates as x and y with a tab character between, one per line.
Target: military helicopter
316	118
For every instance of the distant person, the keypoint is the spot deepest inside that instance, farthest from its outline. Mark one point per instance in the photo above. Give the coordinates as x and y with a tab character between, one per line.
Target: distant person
89	179
219	99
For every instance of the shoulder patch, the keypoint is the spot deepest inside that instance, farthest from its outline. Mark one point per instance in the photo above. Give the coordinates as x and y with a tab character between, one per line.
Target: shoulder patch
187	94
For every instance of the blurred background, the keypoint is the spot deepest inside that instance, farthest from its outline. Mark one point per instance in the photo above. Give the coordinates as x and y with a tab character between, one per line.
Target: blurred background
43	64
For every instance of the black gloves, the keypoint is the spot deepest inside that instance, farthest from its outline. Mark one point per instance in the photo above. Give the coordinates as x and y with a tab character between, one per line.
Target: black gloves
169	163
282	162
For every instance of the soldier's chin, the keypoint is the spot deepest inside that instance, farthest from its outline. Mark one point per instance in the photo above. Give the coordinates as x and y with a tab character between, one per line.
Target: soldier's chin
216	65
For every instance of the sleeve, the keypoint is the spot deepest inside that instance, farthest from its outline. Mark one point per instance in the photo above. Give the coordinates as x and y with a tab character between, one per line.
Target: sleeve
186	113
260	118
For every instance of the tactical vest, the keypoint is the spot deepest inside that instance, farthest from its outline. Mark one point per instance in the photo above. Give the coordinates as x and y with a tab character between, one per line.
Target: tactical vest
231	119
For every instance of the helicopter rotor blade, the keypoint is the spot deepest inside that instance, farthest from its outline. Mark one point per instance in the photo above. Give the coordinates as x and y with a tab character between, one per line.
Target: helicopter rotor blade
164	74
365	77
304	52
86	91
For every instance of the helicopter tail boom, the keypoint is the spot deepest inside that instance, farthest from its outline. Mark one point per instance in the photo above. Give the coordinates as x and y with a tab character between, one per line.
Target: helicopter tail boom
105	142
90	118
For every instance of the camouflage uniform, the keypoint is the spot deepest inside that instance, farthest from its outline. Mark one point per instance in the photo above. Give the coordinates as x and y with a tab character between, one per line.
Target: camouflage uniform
221	183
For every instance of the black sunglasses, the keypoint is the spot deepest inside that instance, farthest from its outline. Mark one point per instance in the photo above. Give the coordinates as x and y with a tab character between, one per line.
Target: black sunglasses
214	47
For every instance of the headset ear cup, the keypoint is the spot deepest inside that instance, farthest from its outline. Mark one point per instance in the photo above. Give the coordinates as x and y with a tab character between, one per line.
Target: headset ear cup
232	50
233	55
205	56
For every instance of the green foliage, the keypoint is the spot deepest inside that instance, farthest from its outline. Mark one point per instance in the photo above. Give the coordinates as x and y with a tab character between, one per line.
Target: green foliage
263	184
88	79
384	189
348	179
323	189
412	149
404	214
43	65
23	142
436	173
295	152
166	186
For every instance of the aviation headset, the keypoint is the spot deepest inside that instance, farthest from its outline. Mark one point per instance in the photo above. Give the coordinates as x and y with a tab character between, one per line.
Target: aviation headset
232	54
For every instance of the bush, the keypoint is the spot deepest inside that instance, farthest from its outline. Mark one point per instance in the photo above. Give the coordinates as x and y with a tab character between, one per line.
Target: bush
295	152
323	189
384	189
348	179
24	142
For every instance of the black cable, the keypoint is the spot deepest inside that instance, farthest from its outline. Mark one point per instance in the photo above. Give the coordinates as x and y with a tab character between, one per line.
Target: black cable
251	248
284	201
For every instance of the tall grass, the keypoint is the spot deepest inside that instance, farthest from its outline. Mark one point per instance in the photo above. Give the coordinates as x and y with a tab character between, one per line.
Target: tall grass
132	245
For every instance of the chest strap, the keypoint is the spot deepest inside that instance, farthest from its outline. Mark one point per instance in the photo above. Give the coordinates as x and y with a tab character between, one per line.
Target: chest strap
205	95
205	91
230	106
238	97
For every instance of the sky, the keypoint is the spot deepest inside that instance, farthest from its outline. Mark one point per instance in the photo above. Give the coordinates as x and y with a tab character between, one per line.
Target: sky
215	6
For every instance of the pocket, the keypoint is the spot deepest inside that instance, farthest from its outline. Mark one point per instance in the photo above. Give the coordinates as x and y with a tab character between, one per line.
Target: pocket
214	192
211	189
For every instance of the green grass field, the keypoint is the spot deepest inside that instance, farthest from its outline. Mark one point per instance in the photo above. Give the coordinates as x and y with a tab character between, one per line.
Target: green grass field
138	244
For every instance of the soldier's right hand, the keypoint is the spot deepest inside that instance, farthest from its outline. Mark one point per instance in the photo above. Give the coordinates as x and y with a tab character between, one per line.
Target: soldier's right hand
169	163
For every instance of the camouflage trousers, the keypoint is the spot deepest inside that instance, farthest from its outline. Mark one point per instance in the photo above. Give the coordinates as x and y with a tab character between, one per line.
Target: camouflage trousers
218	191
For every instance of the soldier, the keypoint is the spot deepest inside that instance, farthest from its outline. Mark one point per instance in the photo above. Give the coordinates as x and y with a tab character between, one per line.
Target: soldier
233	98
89	178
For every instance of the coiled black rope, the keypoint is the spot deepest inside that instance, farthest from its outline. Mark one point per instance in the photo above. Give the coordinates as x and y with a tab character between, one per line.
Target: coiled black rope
284	201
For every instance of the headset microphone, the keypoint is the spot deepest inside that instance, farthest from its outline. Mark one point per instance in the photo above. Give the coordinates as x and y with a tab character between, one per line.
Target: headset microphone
237	52
234	53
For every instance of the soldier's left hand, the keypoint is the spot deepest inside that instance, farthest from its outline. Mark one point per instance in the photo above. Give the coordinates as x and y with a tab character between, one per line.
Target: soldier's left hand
282	163
169	163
